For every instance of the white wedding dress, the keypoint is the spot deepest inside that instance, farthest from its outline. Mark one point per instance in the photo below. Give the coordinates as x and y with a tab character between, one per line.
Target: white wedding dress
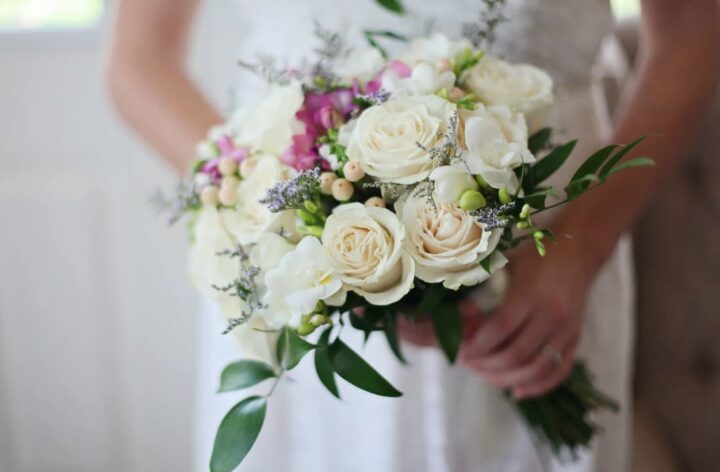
448	420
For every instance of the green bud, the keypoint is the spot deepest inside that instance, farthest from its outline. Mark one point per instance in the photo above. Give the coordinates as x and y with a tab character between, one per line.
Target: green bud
318	320
319	307
481	182
443	93
540	248
538	235
305	328
307	217
522	225
472	200
311	206
504	195
311	231
525	212
305	319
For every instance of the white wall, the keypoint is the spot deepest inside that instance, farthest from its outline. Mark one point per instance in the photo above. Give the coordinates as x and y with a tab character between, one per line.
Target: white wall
96	317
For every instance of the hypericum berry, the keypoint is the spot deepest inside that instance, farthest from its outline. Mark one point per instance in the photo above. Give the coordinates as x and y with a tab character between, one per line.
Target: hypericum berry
342	190
353	171
209	195
228	196
326	182
472	200
246	167
231	182
375	202
228	166
443	65
455	94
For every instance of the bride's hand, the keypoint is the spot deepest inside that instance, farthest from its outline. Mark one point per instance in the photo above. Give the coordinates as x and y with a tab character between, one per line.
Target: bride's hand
528	345
419	330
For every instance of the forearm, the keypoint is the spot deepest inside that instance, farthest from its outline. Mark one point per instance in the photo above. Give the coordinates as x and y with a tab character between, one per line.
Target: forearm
161	103
668	101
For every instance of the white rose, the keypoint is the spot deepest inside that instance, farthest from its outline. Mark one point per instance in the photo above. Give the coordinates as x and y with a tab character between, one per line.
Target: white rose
303	278
365	246
451	182
496	141
447	243
361	64
425	79
385	138
251	220
520	86
432	49
269	126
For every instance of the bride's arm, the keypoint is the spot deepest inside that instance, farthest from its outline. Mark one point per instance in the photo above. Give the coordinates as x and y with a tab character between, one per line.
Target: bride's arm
147	80
539	322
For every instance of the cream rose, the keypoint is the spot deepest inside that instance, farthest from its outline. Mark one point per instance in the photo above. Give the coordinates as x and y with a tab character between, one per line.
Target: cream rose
269	126
522	87
447	243
366	249
496	141
250	220
385	138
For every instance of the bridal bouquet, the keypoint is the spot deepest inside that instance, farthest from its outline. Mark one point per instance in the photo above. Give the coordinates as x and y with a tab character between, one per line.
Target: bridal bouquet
364	188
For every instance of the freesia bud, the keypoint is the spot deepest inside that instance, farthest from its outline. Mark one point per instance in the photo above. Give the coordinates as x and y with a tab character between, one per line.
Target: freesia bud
525	212
472	200
318	320
305	328
504	196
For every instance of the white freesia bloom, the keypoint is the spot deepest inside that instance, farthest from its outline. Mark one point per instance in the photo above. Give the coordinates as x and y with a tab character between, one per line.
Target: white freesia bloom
361	64
520	86
386	137
269	126
447	243
432	49
251	220
366	249
451	182
496	141
425	79
303	278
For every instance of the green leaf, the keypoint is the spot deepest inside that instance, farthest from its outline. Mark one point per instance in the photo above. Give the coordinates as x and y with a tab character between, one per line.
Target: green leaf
637	162
486	264
244	373
237	434
386	34
391	333
292	348
580	186
539	140
433	296
549	164
394	6
593	163
537	198
448	329
605	171
353	368
323	367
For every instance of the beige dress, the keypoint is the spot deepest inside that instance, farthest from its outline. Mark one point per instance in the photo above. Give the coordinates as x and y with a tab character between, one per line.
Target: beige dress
448	420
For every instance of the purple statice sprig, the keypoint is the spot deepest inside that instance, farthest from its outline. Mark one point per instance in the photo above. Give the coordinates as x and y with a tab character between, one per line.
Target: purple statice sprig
494	216
185	200
244	286
378	97
292	194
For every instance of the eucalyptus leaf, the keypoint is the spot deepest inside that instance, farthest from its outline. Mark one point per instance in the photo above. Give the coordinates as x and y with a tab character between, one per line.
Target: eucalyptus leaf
539	140
394	6
243	374
237	433
448	329
353	368
323	367
292	348
610	164
549	164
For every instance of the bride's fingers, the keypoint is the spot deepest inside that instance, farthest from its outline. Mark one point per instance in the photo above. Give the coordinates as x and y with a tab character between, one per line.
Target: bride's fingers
497	329
418	332
518	350
541	365
549	382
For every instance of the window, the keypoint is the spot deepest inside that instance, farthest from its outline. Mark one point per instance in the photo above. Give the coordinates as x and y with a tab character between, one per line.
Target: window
50	14
625	8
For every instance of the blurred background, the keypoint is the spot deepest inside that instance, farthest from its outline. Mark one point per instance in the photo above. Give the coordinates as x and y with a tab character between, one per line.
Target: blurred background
97	321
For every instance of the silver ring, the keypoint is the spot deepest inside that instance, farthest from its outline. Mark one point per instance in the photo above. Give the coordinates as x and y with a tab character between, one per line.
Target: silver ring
555	356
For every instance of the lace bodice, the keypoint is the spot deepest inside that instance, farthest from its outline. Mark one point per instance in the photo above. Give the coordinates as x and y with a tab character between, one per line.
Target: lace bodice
561	36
